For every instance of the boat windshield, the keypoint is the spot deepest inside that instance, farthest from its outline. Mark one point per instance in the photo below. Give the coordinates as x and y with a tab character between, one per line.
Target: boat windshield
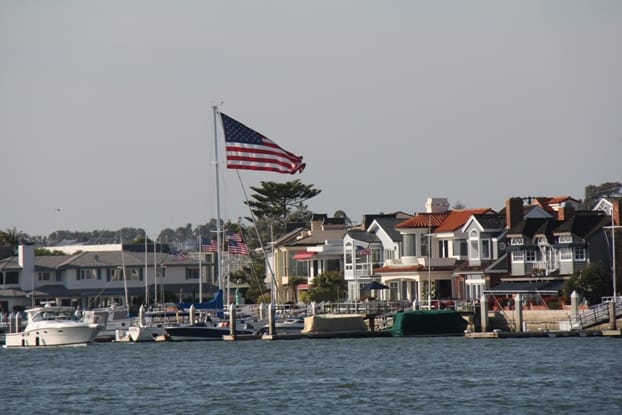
54	315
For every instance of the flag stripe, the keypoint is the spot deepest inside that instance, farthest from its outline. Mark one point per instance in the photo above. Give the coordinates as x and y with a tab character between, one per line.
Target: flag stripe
250	150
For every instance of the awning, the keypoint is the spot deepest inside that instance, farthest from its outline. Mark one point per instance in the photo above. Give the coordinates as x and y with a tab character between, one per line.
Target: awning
543	287
304	255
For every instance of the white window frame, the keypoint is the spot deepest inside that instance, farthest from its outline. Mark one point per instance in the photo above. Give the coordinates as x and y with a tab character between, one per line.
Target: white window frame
474	247
485	245
518	256
580	253
565	239
517	241
566	254
531	255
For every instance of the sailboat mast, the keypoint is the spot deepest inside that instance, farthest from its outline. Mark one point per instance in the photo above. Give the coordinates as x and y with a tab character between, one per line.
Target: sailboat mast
218	230
200	271
146	302
127	302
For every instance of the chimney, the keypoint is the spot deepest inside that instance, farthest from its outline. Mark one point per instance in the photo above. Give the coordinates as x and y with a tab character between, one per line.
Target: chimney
565	212
513	211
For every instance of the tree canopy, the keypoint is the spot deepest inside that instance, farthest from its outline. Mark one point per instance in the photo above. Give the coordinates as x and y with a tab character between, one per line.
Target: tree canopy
592	282
276	204
593	193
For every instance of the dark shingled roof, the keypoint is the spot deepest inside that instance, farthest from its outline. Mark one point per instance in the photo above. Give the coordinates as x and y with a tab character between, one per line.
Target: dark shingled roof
584	225
389	224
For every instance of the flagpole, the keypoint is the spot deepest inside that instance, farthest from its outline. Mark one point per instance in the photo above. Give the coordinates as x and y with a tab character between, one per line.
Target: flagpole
218	237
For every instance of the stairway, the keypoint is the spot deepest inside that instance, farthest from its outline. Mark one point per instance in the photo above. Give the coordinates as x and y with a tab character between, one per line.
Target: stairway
595	315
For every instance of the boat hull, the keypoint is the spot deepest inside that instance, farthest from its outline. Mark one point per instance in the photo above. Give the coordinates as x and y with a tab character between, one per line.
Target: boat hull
145	334
201	333
428	323
60	335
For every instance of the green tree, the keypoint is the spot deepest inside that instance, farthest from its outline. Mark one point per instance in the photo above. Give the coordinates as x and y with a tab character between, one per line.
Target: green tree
253	276
293	283
592	282
593	193
329	286
12	238
276	204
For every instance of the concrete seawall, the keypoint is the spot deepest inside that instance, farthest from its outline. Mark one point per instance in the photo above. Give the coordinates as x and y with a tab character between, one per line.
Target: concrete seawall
534	320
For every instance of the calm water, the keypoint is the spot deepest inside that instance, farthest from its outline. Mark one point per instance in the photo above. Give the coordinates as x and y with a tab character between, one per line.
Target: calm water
345	376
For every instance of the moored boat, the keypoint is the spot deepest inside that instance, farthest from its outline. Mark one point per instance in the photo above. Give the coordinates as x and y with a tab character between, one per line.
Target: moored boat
428	323
53	326
203	331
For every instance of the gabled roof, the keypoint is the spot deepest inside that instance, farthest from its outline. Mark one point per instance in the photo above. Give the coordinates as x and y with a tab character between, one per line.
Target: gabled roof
9	263
363	236
423	220
490	220
457	218
320	237
369	218
388	225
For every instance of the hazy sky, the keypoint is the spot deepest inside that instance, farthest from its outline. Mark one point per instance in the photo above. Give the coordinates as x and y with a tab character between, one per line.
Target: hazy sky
105	106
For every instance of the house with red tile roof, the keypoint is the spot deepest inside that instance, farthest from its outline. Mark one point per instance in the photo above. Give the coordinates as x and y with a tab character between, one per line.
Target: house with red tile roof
433	244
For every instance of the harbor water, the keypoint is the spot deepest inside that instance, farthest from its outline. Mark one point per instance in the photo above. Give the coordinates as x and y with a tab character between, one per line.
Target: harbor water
422	375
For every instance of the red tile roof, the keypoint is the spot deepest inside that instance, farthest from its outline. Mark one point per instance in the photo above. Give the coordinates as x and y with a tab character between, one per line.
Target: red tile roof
457	218
423	220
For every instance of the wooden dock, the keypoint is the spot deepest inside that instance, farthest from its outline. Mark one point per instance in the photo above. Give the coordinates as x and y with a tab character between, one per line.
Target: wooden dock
498	334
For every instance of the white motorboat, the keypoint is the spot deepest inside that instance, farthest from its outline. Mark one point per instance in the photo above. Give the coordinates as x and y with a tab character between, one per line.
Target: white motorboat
114	319
53	326
150	324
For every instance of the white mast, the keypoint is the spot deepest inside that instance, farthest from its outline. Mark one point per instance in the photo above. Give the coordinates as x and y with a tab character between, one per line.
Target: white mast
127	302
146	302
200	271
155	272
218	232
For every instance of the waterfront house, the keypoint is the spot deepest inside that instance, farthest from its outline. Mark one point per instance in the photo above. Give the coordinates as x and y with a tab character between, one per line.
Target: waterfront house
367	247
433	244
546	248
97	276
303	253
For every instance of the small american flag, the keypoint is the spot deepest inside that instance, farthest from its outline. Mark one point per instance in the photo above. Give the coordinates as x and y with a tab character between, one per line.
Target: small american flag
250	150
233	236
362	251
209	245
236	247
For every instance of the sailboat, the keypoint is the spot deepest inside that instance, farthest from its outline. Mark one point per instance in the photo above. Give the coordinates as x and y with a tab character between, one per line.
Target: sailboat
208	326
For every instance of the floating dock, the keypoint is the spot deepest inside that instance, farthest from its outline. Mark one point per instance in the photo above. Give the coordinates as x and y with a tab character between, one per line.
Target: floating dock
498	334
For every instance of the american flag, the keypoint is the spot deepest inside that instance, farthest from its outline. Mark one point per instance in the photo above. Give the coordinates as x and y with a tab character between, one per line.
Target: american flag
209	245
233	236
247	149
236	247
362	251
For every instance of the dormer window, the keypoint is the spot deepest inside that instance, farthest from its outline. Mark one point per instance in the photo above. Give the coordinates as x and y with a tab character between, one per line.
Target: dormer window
565	239
541	240
517	241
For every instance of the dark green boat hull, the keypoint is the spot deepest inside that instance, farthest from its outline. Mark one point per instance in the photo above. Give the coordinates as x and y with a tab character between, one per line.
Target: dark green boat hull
428	323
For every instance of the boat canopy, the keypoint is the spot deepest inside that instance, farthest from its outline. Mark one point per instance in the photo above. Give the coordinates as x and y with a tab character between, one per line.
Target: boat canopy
542	287
216	303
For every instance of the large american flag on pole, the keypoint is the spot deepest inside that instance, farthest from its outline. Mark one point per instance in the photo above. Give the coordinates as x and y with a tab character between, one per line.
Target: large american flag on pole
247	149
